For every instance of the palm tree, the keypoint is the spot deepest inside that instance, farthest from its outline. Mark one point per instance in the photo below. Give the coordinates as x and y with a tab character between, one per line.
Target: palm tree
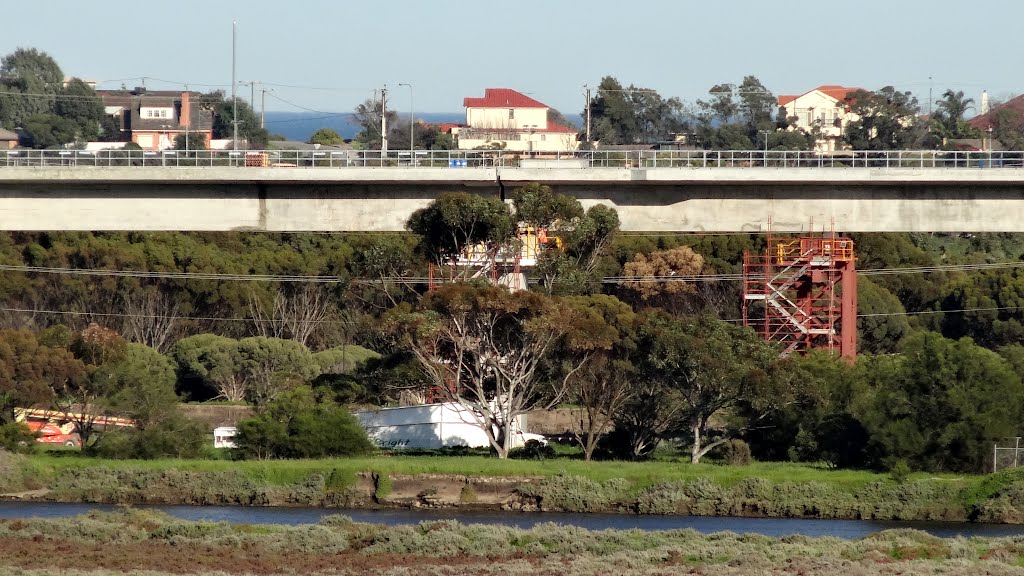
948	120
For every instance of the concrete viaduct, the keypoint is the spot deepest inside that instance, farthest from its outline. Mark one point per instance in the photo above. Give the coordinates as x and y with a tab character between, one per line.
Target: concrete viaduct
381	199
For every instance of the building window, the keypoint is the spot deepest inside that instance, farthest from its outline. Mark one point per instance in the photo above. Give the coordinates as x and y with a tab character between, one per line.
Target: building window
511	113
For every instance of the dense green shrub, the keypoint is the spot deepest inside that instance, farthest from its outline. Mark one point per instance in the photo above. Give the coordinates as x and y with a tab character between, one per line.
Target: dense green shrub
565	493
16	473
533	450
16	437
175	436
131	486
296	426
736	452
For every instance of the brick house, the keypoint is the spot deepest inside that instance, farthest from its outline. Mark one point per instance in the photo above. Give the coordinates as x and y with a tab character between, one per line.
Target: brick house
154	119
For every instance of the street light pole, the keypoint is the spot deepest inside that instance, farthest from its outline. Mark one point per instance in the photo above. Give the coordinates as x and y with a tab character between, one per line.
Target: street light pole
412	122
587	89
766	133
234	98
383	122
188	118
263	107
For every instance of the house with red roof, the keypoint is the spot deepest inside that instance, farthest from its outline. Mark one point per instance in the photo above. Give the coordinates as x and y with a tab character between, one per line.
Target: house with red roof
509	120
1009	114
825	111
154	119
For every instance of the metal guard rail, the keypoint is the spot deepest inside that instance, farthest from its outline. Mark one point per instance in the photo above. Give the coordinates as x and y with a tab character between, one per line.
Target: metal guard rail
326	158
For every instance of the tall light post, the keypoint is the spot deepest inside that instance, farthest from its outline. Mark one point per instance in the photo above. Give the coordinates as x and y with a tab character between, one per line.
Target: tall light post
586	93
188	118
383	123
412	123
263	107
234	85
766	133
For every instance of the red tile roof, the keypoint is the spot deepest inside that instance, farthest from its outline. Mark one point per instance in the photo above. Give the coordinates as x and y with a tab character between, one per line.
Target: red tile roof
987	120
446	127
556	127
502	98
838	92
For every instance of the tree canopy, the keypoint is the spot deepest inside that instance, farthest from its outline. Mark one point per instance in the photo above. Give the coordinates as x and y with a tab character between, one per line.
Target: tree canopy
326	137
948	119
742	116
710	365
632	115
941	404
29	83
457	220
249	128
887	120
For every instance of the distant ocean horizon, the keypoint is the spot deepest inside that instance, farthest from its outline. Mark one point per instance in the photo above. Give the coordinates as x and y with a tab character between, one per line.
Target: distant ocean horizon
301	125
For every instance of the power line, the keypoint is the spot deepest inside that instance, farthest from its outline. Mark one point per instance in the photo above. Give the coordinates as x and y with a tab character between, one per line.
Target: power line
173	275
79	313
158	316
326	115
253	277
55	95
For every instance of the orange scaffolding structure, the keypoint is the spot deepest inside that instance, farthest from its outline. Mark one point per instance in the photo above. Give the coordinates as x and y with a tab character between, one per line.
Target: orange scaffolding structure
802	294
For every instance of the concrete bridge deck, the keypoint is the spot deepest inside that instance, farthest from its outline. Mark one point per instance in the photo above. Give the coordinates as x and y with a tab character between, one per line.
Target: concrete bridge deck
922	199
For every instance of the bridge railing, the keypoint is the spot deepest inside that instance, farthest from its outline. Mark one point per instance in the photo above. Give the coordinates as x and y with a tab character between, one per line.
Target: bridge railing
331	158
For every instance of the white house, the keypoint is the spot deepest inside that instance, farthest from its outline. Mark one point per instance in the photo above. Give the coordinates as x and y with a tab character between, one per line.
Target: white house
825	109
510	120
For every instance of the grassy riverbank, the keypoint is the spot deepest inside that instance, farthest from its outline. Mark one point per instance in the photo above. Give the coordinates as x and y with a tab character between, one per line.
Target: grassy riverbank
148	542
638	474
771	490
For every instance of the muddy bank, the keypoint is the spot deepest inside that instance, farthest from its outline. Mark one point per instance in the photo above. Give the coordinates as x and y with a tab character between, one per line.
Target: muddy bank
1000	500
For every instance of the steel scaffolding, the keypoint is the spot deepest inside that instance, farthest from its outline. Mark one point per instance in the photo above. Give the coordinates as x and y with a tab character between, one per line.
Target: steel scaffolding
802	293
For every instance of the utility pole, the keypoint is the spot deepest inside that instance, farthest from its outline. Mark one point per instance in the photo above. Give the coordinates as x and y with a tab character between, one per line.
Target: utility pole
234	98
587	88
263	109
252	91
188	119
384	121
929	98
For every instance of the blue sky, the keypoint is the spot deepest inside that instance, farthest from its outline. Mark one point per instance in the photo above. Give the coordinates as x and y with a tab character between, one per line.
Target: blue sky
329	55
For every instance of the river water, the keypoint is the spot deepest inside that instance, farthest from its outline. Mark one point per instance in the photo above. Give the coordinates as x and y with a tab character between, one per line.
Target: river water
292	516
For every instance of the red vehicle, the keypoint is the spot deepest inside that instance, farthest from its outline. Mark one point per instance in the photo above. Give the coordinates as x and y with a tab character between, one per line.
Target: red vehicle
51	433
54	427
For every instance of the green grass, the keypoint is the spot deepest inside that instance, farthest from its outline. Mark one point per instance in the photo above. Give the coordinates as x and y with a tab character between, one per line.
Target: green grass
639	474
567	484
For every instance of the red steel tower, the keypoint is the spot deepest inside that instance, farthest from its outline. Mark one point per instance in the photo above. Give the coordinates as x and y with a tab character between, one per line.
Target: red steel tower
802	293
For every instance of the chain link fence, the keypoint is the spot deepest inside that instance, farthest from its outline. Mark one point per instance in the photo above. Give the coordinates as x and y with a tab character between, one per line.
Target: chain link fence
1007	456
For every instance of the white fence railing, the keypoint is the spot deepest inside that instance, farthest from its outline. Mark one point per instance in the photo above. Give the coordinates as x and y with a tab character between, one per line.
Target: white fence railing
489	158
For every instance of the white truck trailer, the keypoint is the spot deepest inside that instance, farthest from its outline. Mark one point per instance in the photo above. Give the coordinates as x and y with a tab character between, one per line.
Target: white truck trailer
432	426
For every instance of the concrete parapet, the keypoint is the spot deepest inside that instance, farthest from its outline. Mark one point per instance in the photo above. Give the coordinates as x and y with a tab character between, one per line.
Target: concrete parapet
381	199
